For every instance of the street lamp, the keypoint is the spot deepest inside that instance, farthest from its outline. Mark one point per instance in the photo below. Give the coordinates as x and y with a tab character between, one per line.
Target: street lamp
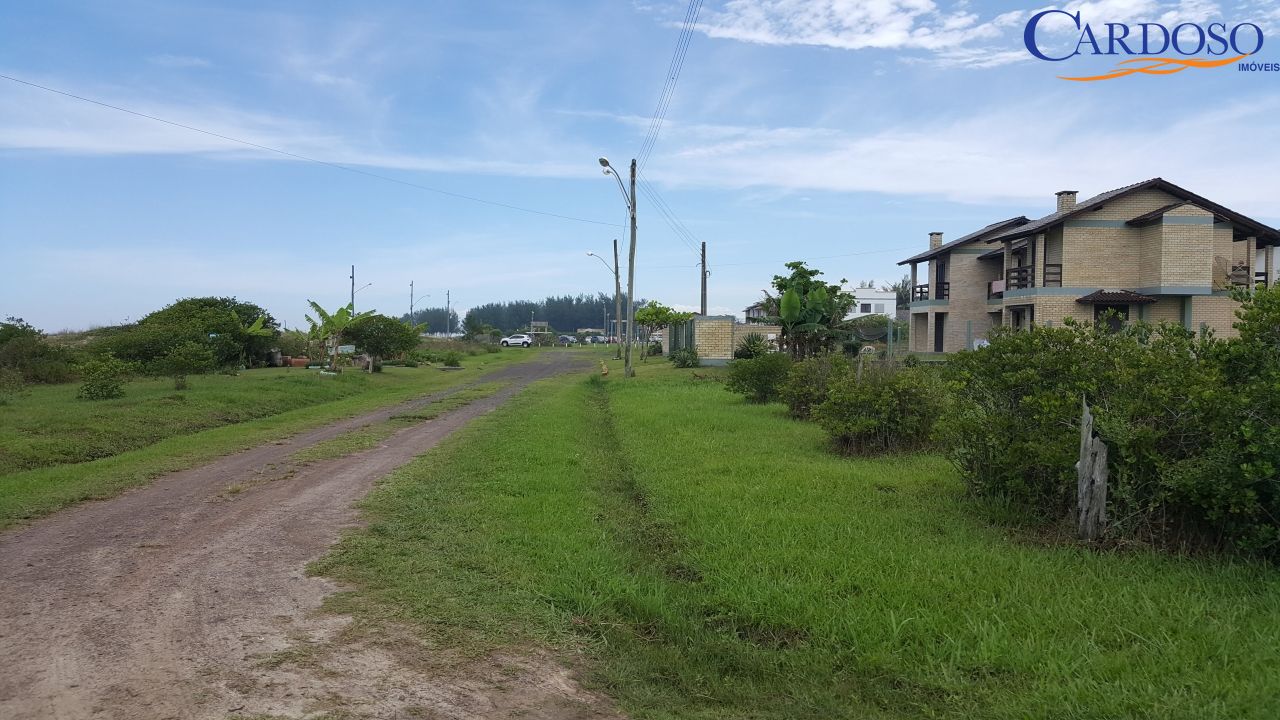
630	198
617	292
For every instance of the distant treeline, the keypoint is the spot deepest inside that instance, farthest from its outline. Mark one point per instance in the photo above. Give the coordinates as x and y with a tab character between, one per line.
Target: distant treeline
436	319
566	314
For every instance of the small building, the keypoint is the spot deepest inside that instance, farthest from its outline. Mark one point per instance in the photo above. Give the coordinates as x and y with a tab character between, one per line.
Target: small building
754	311
714	336
872	302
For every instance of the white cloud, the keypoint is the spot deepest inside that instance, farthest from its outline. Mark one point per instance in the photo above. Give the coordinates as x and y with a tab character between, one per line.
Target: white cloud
955	37
997	155
34	119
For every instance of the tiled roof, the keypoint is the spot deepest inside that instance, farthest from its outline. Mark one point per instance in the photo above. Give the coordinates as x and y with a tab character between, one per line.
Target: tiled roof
1268	235
978	235
1096	201
1115	297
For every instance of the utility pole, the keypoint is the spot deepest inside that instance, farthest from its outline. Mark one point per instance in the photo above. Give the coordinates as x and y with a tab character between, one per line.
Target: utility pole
410	302
617	298
448	317
629	371
353	289
704	279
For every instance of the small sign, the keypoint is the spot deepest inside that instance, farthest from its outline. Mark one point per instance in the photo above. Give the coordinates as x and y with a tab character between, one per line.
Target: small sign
346	349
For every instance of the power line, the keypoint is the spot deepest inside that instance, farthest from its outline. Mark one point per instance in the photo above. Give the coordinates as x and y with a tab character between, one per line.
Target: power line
672	77
326	163
781	262
669	216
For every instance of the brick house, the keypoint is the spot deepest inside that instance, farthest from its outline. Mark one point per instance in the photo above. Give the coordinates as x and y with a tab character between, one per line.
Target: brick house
1150	251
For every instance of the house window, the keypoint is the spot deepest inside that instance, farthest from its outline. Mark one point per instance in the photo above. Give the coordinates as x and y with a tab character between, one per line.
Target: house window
1115	316
866	307
879	307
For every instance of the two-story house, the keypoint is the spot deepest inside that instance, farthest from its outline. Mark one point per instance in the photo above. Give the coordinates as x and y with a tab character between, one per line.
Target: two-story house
1151	251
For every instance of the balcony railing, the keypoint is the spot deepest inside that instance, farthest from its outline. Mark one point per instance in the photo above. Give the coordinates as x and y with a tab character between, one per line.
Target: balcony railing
1024	276
942	291
920	292
1240	276
1017	278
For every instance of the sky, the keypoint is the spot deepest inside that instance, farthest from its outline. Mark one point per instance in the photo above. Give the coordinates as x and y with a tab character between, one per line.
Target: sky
840	132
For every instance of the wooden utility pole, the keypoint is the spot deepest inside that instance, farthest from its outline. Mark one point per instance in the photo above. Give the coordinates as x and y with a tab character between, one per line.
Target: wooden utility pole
628	370
704	279
617	300
353	289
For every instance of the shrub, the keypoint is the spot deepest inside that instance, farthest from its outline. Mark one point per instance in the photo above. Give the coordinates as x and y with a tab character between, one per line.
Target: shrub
1189	422
103	378
187	358
453	359
808	382
655	348
752	345
11	385
26	350
293	343
685	358
759	378
888	410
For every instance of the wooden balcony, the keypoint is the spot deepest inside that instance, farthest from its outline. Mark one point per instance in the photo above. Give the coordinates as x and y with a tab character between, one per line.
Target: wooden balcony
1017	278
942	291
1024	276
920	292
1240	276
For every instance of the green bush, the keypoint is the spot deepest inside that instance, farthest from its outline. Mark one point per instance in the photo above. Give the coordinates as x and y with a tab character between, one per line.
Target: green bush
1189	423
26	350
452	358
759	378
808	382
655	348
11	385
187	358
685	358
888	410
103	378
752	345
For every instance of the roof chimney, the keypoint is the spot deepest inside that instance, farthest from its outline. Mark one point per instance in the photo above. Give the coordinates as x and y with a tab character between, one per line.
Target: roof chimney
935	240
1066	200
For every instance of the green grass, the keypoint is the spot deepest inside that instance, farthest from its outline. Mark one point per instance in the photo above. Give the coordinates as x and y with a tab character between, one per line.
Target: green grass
148	432
704	558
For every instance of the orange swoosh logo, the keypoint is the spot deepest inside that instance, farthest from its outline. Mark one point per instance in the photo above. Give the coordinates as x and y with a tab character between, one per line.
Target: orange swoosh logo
1157	66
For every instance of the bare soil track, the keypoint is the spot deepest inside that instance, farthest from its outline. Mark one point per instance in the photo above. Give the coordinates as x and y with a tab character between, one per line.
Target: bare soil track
188	598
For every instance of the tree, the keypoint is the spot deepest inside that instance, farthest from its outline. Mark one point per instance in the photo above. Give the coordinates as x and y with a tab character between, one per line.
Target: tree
188	358
474	329
812	313
332	327
654	317
238	333
902	289
381	336
867	285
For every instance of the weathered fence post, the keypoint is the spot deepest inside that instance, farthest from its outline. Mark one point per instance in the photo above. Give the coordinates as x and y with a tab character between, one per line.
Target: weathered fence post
1091	473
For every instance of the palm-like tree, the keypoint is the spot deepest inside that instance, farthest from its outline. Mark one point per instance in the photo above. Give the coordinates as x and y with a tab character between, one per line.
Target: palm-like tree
331	327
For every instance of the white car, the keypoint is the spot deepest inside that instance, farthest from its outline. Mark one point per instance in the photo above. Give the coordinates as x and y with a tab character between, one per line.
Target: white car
518	339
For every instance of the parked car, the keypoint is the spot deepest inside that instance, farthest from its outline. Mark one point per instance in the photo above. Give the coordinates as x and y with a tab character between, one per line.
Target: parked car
518	339
566	340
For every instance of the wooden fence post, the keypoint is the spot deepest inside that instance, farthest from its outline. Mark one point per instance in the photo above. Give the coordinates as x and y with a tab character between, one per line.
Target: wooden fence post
1091	473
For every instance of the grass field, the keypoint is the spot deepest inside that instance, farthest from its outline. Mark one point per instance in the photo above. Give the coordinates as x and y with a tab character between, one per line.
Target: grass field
697	557
56	449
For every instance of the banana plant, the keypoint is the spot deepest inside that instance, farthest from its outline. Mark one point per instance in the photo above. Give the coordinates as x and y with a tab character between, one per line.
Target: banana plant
331	327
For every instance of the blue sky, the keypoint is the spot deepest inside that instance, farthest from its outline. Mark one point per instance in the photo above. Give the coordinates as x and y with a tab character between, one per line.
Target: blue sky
833	130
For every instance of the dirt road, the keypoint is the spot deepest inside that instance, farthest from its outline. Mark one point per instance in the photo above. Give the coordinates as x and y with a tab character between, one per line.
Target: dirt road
180	599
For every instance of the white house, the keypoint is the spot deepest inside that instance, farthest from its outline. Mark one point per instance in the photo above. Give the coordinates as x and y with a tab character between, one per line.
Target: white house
872	302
